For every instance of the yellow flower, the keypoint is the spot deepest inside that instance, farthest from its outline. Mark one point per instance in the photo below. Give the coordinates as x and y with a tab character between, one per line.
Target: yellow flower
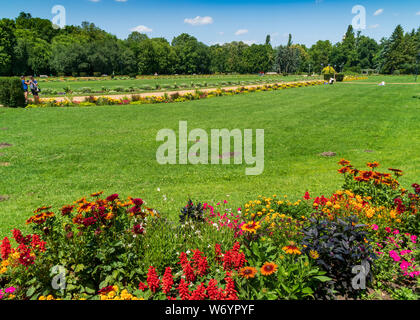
314	254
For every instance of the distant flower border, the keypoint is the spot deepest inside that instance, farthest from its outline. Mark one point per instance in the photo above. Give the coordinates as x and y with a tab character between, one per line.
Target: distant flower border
169	98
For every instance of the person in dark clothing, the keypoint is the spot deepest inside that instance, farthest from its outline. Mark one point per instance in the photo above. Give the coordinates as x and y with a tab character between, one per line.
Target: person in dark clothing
34	89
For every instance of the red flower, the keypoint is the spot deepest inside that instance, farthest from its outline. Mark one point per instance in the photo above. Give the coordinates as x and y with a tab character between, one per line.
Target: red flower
17	235
213	292
186	267
200	263
112	197
167	281
307	196
233	259
37	243
142	286
199	293
183	290
106	290
25	257
138	202
5	248
138	229
65	211
89	221
218	251
230	291
153	280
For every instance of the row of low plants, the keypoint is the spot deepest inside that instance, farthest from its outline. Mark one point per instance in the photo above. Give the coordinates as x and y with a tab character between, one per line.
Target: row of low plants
151	77
150	87
167	98
271	248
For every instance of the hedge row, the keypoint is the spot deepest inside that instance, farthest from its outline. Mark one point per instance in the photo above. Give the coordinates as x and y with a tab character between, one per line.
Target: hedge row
11	93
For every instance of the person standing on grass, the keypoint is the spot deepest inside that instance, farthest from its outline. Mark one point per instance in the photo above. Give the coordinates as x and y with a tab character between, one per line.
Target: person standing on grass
25	87
34	89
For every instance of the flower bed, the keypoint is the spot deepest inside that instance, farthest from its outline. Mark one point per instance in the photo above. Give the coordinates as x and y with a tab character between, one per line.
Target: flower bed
175	97
272	248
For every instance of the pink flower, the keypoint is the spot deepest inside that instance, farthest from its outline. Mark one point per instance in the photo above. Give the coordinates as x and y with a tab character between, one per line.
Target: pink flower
396	232
388	229
404	265
413	239
394	256
375	227
404	252
10	290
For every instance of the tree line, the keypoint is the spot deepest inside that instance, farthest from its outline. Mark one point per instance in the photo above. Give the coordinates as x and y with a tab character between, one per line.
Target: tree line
31	45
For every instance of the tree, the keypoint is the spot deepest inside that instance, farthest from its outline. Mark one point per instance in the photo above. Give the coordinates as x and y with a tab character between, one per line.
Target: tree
192	56
7	44
320	54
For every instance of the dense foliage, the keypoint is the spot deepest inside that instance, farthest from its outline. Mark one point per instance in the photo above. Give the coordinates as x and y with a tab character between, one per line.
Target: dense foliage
32	46
272	248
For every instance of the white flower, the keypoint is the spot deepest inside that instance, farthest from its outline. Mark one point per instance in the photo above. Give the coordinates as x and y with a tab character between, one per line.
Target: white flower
158	189
188	252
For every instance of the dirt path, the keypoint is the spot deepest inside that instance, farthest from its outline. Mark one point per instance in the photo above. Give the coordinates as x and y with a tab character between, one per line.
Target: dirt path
162	93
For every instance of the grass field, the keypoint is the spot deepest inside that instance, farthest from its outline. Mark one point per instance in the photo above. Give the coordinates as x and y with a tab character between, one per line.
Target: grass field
61	155
160	83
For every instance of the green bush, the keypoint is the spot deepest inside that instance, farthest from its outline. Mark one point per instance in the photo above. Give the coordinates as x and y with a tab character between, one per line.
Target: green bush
339	77
97	74
11	93
328	76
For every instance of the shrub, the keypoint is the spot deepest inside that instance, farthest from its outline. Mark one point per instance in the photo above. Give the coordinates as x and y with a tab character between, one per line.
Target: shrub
328	76
97	74
337	247
339	77
11	93
192	212
86	90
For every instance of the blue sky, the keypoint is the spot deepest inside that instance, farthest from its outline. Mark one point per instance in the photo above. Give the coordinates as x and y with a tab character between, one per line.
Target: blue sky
219	21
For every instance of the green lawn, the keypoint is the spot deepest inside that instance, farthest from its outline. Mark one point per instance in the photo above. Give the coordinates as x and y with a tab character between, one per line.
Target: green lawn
164	82
60	155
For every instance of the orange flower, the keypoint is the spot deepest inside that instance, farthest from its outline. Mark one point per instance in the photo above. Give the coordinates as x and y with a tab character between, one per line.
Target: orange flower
344	162
251	227
97	194
373	164
268	268
248	272
292	249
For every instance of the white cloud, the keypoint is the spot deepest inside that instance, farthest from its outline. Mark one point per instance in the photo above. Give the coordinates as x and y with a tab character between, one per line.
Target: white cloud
378	12
241	31
375	26
141	29
199	21
221	33
418	13
121	0
94	0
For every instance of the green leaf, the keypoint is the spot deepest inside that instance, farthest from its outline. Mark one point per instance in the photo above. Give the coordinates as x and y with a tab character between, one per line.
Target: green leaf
30	291
322	278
